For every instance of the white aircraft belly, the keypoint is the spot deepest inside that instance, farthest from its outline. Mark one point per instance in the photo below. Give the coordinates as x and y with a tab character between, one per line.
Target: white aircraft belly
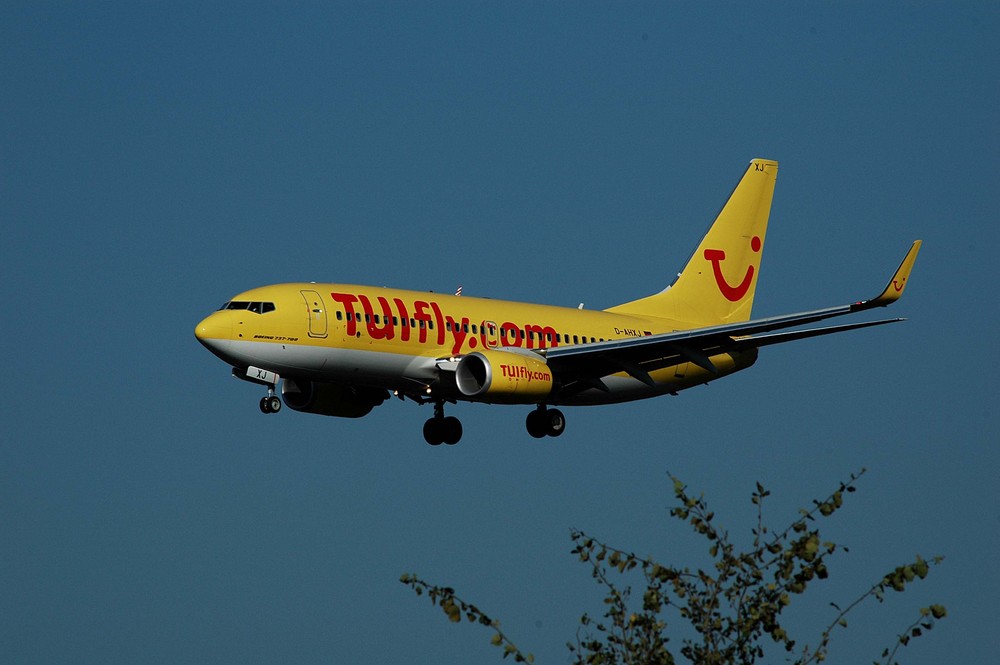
335	364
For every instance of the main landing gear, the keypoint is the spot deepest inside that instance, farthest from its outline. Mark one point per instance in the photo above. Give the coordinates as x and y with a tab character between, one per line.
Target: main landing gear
541	422
439	429
544	422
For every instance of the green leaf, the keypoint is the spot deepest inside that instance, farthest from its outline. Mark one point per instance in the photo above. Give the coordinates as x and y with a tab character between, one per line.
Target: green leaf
451	609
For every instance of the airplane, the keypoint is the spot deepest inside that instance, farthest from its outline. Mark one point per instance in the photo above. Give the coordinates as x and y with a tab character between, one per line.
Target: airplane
343	349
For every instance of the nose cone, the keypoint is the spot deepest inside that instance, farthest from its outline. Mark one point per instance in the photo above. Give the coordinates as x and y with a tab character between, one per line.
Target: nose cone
215	332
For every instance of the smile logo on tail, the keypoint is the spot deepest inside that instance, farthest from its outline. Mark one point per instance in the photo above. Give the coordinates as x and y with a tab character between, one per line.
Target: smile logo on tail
732	293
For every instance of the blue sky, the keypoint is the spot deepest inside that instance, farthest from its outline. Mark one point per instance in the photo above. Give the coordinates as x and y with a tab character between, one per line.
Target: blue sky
156	158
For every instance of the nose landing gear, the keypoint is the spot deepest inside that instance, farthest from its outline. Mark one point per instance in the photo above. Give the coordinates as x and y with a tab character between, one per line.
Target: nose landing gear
439	429
271	403
544	422
262	377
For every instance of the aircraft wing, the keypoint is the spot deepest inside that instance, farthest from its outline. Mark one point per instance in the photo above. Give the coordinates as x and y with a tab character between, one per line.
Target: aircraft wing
582	367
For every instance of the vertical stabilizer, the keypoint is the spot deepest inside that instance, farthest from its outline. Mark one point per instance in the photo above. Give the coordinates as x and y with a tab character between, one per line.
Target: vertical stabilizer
717	285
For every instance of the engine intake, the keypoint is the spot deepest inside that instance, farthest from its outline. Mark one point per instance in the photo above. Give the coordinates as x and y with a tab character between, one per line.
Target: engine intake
502	376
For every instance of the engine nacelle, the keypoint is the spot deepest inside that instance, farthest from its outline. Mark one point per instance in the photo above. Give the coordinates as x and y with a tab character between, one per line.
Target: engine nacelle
502	376
328	399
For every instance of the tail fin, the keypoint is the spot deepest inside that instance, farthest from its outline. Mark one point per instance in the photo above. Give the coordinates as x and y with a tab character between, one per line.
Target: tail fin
717	285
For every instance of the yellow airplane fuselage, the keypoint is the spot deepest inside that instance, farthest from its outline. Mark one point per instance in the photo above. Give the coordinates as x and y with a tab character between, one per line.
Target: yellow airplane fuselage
399	339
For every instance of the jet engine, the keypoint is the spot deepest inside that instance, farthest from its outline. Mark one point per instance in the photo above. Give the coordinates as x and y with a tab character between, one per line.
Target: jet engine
502	376
328	399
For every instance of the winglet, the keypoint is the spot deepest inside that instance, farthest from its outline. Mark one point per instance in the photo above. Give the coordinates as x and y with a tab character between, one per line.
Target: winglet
894	289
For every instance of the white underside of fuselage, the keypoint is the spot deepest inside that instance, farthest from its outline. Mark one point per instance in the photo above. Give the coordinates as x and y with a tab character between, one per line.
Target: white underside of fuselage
323	363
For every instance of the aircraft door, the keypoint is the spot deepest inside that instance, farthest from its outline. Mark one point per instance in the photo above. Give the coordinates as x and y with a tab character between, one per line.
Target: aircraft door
317	313
491	334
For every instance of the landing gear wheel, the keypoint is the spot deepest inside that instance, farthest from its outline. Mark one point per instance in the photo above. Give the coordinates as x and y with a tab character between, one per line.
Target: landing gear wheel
451	430
438	430
556	422
270	404
536	424
544	422
432	432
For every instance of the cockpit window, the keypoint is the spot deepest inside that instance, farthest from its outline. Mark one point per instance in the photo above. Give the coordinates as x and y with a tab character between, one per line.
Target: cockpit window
255	306
261	307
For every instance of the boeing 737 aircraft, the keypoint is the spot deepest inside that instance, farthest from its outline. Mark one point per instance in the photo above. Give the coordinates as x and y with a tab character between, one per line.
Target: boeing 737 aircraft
342	349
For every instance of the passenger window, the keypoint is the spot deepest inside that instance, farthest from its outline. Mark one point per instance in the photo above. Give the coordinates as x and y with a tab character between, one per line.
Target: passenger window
340	315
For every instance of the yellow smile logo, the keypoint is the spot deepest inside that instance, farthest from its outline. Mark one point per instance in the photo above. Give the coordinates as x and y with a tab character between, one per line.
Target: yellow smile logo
732	293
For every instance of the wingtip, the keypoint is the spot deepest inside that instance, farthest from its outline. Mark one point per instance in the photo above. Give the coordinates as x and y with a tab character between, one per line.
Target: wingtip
897	283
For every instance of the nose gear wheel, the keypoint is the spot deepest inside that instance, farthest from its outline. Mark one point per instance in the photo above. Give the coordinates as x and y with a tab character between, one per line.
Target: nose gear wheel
271	403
